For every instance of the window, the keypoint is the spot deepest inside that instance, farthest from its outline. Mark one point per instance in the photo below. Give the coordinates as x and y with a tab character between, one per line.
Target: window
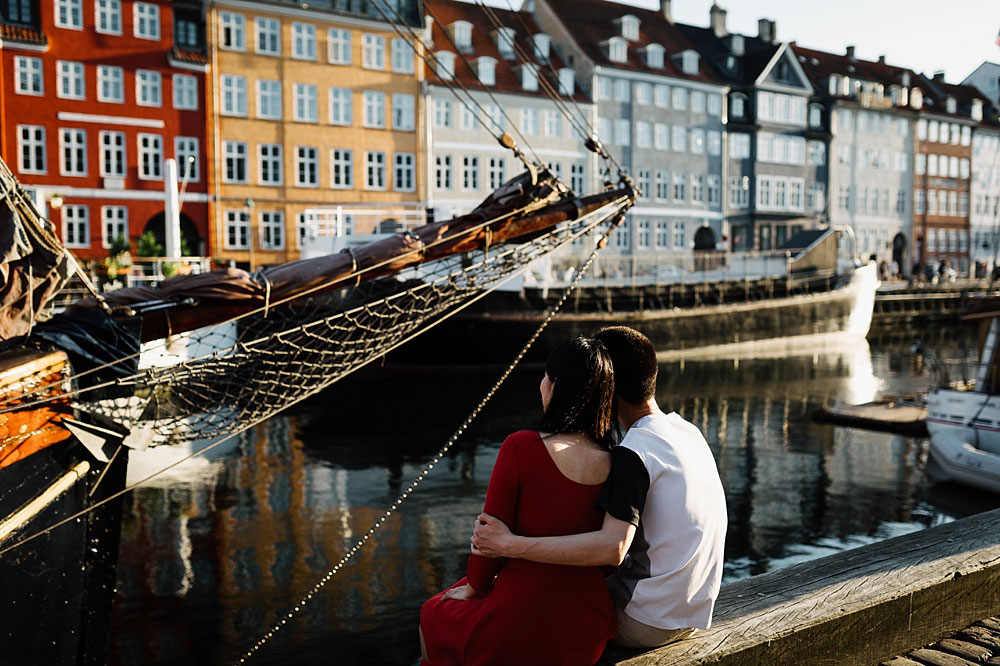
817	153
470	173
529	121
963	204
185	92
623	131
69	14
404	177
932	202
765	187
661	95
654	56
739	145
186	154
963	171
714	191
955	134
268	99
341	168
146	20
31	149
738	105
114	224
643	93
442	172
234	95
679	99
553	123
402	56
577	177
795	194
468	117
110	84
932	165
815	116
643	134
679	234
306	166
697	188
375	170
697	101
714	142
186	34
444	65
306	103
303	41
739	192
698	141
272	230
269	164
28	76
680	187
679	142
71	85
816	197
268	32
76	226
73	152
901	202
662	234
232	31
108	17
661	136
623	90
780	193
340	106
953	203
486	70
374	109
373	52
403	113
617	50
150	156
966	136
642	235
148	91
112	154
442	113
604	88
237	230
234	156
339	46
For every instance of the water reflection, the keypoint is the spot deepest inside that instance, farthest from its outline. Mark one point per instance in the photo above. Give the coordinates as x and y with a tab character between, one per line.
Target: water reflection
213	556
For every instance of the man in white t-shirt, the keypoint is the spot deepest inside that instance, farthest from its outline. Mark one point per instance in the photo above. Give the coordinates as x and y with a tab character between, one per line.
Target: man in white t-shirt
665	520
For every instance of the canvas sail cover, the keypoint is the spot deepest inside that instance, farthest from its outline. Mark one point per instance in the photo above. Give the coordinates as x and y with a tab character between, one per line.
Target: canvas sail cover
33	265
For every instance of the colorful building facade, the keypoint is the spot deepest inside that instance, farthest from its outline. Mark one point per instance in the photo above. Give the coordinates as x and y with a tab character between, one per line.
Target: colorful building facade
309	108
95	95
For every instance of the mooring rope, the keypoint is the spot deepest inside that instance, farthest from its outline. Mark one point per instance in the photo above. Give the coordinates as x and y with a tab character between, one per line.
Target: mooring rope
600	244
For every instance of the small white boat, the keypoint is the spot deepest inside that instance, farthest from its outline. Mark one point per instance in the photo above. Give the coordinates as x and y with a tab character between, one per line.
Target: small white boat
964	422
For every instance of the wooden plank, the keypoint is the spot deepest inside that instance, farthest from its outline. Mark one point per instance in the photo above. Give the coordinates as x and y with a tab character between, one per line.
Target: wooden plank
990	623
860	606
981	636
933	657
963	649
900	661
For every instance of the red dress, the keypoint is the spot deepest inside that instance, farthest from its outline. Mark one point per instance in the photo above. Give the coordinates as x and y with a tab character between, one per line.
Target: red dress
531	613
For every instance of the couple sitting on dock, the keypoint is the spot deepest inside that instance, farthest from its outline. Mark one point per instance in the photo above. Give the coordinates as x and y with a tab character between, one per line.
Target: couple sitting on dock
564	501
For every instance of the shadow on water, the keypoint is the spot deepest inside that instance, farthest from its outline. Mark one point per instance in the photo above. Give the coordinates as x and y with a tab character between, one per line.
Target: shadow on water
211	560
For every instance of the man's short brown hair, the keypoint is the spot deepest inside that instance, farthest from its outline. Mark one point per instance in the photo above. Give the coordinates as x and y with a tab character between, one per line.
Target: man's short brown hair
634	360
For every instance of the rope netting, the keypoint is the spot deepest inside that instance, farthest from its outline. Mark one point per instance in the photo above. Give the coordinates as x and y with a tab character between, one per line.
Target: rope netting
209	382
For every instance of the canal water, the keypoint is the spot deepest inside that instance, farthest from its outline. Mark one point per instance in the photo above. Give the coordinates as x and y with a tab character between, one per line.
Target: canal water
215	553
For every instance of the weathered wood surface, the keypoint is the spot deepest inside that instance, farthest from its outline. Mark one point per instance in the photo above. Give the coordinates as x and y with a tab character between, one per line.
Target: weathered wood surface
861	606
977	644
889	415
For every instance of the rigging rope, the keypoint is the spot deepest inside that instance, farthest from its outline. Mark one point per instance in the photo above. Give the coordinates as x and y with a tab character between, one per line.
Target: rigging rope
619	215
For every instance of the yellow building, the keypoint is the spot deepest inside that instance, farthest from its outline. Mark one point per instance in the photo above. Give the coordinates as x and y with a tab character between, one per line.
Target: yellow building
307	108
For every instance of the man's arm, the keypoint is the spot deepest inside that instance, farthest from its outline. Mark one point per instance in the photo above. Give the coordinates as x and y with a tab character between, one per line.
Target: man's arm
607	546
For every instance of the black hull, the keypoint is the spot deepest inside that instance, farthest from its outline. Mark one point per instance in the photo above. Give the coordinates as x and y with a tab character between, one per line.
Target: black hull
58	588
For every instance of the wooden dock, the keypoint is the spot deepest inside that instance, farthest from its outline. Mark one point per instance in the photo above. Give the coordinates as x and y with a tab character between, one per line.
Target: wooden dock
898	415
859	607
976	644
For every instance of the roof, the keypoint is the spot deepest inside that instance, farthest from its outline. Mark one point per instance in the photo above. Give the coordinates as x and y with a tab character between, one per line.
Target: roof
937	91
757	54
193	57
592	22
446	12
820	65
16	33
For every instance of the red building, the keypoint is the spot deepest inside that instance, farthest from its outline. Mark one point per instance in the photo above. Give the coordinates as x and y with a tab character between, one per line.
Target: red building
94	96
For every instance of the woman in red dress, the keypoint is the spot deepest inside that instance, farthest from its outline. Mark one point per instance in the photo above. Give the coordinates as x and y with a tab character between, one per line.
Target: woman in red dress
544	483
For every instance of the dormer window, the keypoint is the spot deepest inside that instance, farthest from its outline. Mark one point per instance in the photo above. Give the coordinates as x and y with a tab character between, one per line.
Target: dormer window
529	76
504	38
689	62
916	98
815	116
731	63
833	87
445	65
783	72
543	45
738	105
629	27
567	81
617	50
486	70
977	109
461	33
950	105
737	45
654	56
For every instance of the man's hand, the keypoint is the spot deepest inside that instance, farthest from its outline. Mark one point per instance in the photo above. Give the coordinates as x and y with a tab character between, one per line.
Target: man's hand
491	537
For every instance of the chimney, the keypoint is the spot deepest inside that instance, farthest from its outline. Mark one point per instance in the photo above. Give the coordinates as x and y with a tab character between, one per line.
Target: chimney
665	9
766	31
850	53
717	20
939	76
881	60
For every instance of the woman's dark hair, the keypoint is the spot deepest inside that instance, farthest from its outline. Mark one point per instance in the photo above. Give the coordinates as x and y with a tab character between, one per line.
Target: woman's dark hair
583	391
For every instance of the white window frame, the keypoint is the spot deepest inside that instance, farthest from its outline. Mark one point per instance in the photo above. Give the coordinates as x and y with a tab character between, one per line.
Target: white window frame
303	41
32	70
269	30
71	75
148	15
372	51
76	142
343	99
376	165
341	168
266	89
234	95
305	98
374	109
404	170
305	160
29	147
69	14
273	155
185	92
148	81
116	149
232	31
236	152
338	46
111	10
116	216
237	221
403	112
76	215
402	58
272	222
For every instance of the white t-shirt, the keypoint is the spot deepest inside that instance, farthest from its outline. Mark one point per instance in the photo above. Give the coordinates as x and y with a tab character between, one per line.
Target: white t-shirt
665	481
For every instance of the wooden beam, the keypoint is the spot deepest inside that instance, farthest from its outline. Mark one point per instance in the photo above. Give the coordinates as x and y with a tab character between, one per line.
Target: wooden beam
860	606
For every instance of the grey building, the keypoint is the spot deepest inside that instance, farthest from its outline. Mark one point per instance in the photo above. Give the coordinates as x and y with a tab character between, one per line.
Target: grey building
871	112
986	77
776	167
660	112
984	222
